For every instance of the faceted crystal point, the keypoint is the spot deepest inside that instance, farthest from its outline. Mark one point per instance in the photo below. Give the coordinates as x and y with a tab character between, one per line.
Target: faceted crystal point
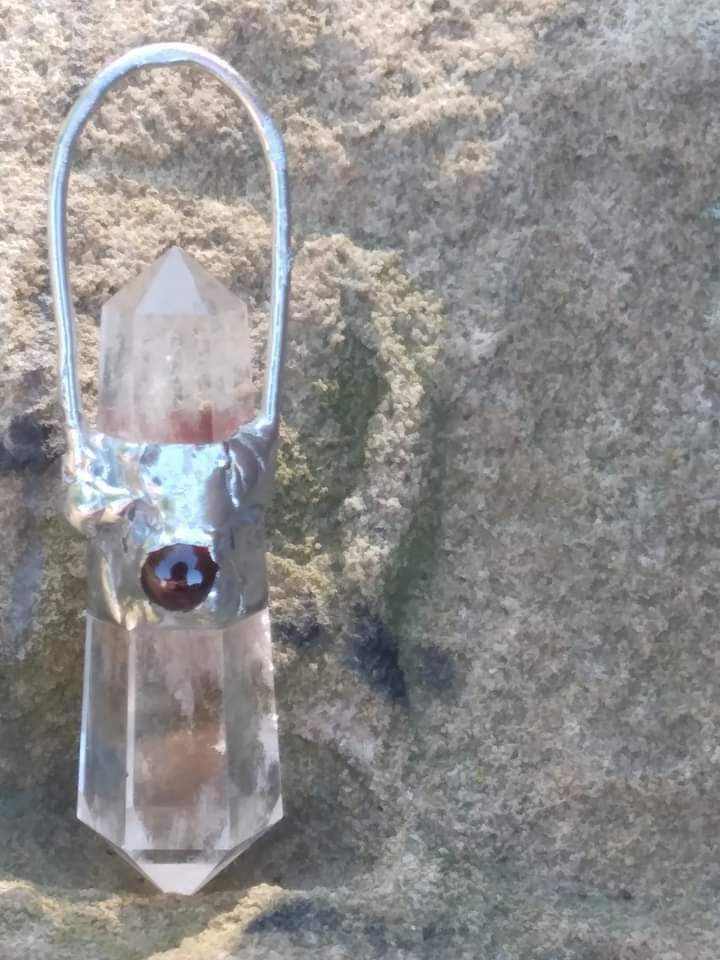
179	765
175	356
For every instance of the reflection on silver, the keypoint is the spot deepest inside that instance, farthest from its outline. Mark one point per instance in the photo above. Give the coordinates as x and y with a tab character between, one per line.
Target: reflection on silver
138	497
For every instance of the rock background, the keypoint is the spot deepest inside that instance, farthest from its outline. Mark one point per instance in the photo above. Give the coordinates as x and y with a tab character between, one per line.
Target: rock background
496	537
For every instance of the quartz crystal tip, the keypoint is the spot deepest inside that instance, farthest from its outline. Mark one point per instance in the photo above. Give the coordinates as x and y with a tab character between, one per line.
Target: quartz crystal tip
179	766
175	356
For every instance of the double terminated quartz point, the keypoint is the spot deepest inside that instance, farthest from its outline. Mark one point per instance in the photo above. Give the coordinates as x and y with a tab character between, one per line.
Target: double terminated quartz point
179	765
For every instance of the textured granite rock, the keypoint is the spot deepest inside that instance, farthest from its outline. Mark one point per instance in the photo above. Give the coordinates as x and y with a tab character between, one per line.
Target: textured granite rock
494	551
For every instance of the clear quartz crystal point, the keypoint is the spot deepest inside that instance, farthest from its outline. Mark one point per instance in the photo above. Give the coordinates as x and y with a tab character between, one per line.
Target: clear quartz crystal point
179	766
175	356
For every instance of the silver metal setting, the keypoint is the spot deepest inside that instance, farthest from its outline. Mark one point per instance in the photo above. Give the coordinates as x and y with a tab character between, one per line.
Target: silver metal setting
133	498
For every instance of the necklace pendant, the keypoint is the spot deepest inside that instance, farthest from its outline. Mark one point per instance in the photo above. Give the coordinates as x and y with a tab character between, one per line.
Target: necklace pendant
179	762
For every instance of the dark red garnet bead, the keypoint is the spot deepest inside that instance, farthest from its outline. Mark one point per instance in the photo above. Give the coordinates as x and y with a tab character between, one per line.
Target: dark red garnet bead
178	577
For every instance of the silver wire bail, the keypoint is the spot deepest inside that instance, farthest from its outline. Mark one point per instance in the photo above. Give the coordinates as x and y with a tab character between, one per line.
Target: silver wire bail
160	55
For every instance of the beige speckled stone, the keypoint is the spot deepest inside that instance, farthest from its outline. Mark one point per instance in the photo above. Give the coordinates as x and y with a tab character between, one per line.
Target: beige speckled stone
495	548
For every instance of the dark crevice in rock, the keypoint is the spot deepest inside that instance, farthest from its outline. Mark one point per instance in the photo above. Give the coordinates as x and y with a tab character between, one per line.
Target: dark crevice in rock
310	920
294	915
375	654
304	631
27	444
299	634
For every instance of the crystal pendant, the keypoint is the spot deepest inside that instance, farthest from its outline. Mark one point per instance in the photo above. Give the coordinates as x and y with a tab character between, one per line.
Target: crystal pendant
179	765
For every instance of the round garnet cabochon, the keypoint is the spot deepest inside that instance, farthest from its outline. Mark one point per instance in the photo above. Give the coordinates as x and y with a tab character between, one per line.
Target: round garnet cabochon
178	577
